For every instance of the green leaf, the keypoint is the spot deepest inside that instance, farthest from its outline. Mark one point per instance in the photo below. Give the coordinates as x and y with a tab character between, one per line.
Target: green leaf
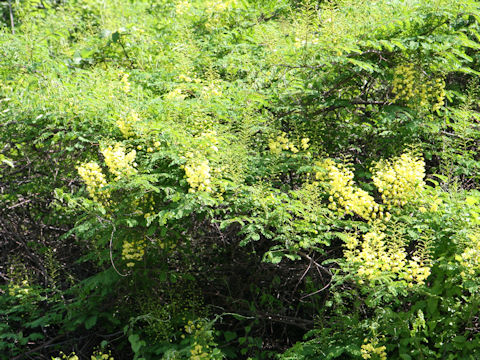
362	64
115	36
255	237
135	342
459	339
90	322
8	162
229	335
292	257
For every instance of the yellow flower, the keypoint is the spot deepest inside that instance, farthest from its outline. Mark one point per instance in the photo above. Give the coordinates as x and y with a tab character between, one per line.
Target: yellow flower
125	83
399	180
371	348
346	195
198	175
126	124
305	144
133	251
92	175
176	94
119	163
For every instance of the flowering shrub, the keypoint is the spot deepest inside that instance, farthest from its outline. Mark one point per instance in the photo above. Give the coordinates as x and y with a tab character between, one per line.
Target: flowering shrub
399	180
378	258
133	251
281	142
350	199
411	85
127	123
118	161
370	350
91	173
198	174
207	136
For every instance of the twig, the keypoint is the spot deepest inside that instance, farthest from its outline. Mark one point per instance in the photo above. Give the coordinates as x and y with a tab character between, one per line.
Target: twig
111	252
454	135
303	275
19	204
44	345
12	24
316	292
308	257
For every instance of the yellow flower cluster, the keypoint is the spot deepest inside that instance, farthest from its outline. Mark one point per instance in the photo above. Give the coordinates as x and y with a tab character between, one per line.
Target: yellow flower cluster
188	79
126	124
189	327
15	289
417	271
411	85
435	204
216	10
100	355
133	251
404	82
175	94
371	348
215	6
439	93
71	356
400	179
119	163
198	175
211	90
346	197
281	142
92	175
124	80
200	348
182	7
197	352
205	144
376	257
470	257
197	166
97	355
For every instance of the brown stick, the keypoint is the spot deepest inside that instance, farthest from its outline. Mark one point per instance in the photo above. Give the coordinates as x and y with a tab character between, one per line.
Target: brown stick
40	347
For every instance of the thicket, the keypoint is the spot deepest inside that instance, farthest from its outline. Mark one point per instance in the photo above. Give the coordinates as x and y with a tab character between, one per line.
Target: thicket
238	179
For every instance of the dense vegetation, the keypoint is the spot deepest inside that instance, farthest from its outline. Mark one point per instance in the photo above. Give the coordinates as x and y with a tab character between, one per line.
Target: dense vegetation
239	179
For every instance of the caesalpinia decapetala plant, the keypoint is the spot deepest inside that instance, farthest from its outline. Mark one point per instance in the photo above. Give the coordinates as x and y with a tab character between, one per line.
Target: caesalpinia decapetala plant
346	197
377	256
469	259
133	251
119	164
281	142
399	180
118	161
126	123
410	84
91	173
197	172
371	348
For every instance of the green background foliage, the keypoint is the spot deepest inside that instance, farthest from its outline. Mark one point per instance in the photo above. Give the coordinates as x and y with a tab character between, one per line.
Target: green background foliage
220	235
